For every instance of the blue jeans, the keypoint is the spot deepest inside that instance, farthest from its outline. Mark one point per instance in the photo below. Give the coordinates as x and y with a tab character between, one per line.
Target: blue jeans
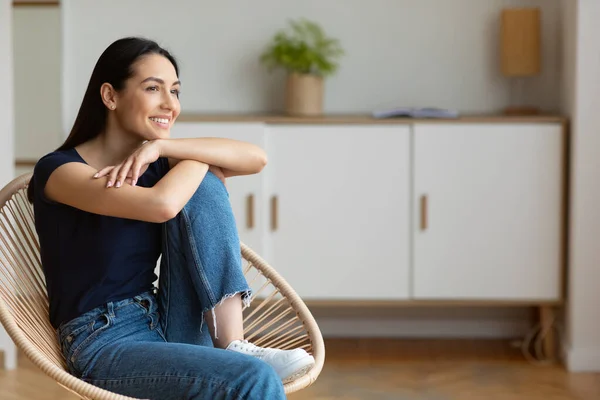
155	345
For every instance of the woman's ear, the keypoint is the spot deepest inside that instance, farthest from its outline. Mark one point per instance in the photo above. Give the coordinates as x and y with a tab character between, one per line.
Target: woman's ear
109	96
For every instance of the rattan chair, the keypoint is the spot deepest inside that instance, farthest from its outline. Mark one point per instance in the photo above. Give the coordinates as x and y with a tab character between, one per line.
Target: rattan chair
276	318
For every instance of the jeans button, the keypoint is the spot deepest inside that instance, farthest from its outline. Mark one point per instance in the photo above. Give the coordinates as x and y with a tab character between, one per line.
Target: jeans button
70	338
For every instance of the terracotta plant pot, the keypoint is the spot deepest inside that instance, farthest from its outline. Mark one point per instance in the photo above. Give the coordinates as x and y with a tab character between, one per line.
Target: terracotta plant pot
304	95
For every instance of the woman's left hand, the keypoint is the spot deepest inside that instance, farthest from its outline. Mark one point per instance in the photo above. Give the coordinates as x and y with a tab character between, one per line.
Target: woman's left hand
129	170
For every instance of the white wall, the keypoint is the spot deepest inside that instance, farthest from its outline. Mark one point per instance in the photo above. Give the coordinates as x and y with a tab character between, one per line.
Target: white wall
37	71
399	52
6	94
582	102
6	133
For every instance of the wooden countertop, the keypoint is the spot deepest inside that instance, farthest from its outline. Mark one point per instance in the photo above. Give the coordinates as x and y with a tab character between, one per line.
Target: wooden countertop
363	119
348	119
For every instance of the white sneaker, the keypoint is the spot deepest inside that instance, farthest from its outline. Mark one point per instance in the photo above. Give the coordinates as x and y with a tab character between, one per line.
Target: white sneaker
289	364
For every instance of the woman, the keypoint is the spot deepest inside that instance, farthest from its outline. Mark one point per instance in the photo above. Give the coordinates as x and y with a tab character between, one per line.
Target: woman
114	197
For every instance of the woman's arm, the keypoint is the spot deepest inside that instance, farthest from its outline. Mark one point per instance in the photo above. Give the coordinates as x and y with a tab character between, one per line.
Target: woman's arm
228	157
232	156
72	184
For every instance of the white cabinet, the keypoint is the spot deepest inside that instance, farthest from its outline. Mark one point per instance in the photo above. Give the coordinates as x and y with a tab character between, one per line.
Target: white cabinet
245	192
487	206
339	209
424	211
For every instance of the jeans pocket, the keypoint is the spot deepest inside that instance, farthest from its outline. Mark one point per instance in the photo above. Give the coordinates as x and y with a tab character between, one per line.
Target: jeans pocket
83	349
71	337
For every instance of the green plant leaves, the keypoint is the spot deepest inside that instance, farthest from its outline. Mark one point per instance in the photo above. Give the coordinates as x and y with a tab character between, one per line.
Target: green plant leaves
305	49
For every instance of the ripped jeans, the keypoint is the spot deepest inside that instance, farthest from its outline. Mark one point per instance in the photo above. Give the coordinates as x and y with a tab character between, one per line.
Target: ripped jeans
156	345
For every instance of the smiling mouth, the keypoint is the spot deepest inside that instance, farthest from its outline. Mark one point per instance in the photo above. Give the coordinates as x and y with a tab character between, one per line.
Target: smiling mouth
160	122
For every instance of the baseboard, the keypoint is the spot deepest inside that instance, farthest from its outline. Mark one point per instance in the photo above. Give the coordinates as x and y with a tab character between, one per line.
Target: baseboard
420	323
583	359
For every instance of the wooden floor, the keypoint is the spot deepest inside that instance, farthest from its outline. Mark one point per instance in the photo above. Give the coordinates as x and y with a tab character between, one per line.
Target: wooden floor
381	369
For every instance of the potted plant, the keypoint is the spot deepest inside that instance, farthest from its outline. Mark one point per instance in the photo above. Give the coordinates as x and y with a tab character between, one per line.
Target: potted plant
308	56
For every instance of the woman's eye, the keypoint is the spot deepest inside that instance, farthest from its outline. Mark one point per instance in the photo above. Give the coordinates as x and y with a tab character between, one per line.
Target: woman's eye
152	88
176	92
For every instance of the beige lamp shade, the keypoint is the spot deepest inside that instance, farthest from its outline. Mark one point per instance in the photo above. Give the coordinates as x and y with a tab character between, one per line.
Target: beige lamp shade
520	41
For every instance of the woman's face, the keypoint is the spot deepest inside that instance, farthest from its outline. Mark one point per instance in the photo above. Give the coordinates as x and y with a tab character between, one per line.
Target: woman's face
149	103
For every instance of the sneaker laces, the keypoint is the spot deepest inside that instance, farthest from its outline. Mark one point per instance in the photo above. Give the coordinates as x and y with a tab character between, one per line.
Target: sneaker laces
251	347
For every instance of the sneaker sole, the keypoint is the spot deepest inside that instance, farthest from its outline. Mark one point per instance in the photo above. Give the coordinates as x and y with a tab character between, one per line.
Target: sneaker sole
300	368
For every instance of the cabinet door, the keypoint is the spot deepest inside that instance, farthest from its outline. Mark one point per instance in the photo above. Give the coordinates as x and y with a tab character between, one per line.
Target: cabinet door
339	210
245	192
487	207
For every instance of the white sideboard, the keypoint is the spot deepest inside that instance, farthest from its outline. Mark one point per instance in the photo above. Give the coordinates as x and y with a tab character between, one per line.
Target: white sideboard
423	210
406	212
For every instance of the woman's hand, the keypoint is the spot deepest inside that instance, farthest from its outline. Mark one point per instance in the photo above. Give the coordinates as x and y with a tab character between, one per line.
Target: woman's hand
129	170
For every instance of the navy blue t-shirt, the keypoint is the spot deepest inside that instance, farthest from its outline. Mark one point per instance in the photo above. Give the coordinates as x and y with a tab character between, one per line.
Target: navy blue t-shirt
90	259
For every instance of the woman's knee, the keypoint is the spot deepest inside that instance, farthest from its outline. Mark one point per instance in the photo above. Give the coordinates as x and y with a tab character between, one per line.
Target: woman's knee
211	195
212	184
210	203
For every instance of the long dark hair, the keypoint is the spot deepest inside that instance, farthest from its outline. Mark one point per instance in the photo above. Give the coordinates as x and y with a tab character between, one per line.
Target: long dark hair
114	66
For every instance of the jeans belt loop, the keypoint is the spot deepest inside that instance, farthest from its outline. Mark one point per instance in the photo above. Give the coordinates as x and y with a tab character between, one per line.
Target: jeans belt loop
111	309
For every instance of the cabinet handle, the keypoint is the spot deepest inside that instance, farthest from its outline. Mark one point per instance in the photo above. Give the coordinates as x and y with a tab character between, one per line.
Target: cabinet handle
250	211
424	215
274	213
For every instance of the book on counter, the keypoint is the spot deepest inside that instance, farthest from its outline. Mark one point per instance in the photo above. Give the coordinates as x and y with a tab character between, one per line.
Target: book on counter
415	112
